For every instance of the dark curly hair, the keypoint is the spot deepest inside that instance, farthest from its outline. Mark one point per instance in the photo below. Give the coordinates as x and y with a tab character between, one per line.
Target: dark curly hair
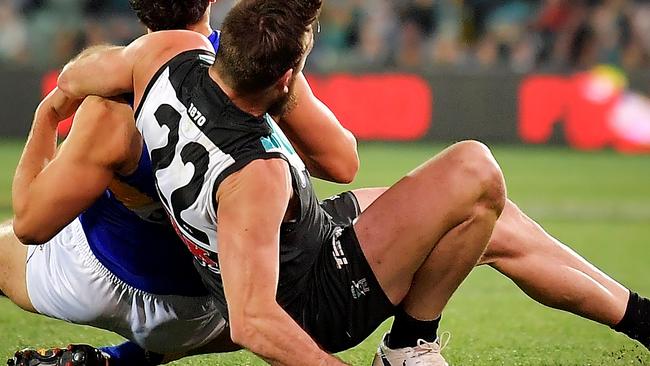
160	15
262	39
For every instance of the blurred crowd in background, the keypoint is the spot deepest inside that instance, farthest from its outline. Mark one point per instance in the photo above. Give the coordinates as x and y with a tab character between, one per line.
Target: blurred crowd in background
516	35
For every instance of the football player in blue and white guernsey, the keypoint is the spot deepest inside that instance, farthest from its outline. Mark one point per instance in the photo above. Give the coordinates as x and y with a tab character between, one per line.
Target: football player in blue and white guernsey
219	158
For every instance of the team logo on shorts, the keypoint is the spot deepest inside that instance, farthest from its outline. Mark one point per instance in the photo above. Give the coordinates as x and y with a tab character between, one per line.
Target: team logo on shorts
359	288
337	250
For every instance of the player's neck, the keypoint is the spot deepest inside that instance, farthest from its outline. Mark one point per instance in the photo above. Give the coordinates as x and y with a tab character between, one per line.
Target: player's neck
202	26
204	29
253	105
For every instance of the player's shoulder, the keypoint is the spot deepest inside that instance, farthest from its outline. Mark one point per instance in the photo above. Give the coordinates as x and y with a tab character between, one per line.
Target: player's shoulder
262	174
267	166
172	39
152	50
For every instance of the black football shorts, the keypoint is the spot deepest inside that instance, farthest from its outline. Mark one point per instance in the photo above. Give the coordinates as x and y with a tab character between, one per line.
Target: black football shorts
342	302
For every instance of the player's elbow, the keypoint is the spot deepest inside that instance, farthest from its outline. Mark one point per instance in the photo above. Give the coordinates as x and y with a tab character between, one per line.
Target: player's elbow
68	84
345	173
343	169
241	333
350	170
244	332
29	227
28	233
247	327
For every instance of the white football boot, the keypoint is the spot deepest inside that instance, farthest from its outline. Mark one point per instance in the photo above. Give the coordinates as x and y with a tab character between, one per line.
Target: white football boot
424	354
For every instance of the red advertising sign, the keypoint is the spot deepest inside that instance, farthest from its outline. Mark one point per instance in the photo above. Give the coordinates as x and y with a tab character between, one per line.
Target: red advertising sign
593	107
373	107
378	107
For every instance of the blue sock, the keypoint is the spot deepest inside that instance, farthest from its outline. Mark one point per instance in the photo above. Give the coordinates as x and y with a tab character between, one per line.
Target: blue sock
130	354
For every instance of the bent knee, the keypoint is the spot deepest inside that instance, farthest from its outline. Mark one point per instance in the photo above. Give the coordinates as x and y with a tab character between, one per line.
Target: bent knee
477	167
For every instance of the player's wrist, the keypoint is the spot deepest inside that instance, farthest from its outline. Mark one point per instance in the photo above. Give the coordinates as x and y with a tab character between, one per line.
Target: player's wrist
45	117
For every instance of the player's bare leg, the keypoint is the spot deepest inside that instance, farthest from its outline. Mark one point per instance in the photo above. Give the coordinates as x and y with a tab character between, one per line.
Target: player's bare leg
556	276
425	234
456	195
548	271
552	273
13	255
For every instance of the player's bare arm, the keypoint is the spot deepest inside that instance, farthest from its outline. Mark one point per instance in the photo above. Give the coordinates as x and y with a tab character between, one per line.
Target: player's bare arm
40	148
110	71
79	77
327	148
51	188
250	212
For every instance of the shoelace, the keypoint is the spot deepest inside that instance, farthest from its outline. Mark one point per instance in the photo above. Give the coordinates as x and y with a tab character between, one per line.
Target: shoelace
436	346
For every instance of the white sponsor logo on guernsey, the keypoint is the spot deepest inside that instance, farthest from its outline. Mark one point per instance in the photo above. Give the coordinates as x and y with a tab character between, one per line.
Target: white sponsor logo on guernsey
337	252
359	288
196	115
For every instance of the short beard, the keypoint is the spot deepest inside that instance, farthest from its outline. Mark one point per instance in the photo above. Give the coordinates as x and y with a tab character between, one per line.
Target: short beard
284	104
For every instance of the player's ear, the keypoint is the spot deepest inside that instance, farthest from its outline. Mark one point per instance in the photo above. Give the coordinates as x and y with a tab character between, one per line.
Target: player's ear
285	81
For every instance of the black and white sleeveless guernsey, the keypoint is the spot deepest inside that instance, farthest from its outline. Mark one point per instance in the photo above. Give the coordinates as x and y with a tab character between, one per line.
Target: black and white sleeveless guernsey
196	138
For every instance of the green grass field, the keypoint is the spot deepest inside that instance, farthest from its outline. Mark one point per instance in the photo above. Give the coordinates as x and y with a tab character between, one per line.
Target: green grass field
598	203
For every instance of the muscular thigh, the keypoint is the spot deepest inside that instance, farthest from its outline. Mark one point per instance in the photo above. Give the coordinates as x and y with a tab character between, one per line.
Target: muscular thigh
504	243
13	255
398	230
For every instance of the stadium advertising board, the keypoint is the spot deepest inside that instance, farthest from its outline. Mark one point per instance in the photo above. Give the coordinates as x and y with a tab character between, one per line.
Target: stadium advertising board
596	108
588	110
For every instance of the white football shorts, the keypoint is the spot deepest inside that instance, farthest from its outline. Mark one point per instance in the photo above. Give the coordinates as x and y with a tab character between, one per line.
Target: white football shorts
65	281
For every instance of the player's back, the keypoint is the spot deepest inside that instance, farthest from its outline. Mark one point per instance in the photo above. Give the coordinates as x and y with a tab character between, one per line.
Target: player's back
196	138
130	234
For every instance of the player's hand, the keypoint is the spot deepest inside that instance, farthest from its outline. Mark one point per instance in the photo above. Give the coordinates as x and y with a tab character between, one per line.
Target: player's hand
56	107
